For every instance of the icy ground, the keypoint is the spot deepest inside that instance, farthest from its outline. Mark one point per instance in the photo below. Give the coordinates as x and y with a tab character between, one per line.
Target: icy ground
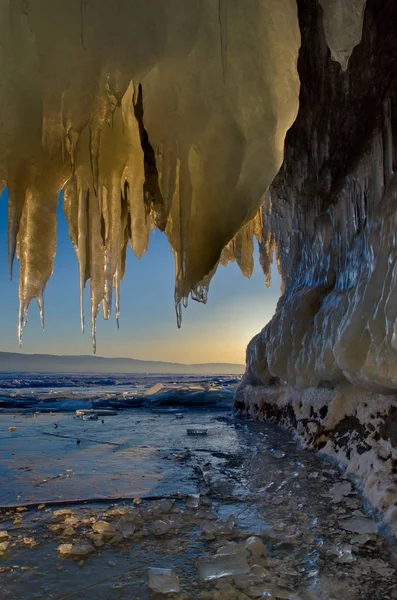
199	500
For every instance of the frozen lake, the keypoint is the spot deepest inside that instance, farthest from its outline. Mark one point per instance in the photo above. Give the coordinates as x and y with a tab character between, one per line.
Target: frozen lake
193	495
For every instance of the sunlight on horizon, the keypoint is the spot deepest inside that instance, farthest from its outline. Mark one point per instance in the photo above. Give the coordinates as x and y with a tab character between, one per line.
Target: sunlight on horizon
237	309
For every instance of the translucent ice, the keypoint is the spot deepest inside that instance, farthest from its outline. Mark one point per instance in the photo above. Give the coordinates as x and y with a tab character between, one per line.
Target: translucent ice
222	565
359	525
163	581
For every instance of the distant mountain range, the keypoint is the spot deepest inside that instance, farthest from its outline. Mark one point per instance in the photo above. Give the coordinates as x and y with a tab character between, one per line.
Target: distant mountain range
51	363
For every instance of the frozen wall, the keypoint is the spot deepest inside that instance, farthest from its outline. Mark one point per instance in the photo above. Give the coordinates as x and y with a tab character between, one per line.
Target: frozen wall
326	365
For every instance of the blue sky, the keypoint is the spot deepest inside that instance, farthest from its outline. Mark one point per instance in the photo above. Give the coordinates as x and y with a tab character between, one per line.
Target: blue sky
219	331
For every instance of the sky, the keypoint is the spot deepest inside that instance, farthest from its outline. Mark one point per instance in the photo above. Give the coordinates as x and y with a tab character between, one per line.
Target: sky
219	331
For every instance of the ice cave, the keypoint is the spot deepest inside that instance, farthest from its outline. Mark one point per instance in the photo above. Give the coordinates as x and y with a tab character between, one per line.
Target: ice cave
217	121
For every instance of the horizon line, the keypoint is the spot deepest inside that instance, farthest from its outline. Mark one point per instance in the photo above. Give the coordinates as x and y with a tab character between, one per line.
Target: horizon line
94	356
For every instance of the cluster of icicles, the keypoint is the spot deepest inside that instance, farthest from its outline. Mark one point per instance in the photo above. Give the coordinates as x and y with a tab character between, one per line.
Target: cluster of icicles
146	113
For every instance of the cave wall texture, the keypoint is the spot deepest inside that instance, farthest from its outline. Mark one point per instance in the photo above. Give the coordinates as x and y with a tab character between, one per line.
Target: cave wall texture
326	364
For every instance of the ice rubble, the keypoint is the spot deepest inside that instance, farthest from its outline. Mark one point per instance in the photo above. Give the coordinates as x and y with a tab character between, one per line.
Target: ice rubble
170	114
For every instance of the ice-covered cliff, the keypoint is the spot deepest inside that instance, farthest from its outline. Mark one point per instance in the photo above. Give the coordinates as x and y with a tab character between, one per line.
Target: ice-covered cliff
326	365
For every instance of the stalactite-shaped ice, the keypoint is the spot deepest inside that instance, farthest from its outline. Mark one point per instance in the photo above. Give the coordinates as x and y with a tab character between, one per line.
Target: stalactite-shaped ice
151	112
343	24
75	206
36	259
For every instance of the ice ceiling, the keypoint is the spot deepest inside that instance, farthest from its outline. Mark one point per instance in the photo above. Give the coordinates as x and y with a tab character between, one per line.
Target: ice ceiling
146	113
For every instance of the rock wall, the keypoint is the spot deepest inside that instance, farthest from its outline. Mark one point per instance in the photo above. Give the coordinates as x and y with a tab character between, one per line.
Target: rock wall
326	364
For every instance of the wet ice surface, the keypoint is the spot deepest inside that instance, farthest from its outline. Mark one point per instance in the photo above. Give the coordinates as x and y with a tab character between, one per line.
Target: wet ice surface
242	512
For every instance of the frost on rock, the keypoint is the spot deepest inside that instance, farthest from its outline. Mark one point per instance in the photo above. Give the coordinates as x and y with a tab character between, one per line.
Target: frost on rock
167	114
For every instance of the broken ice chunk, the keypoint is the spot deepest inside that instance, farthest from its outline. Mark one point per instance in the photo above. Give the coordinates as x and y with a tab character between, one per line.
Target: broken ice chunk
193	501
276	453
105	529
82	550
345	554
359	525
29	541
233	548
76	550
255	546
340	490
283	593
162	506
361	539
127	529
163	581
222	565
62	513
160	527
381	567
209	527
65	549
196	431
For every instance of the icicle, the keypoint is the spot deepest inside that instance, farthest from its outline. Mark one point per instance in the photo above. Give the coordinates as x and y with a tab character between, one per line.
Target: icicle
16	201
40	304
111	212
116	285
243	250
227	254
200	292
257	225
38	223
82	243
266	241
134	174
75	210
97	279
119	275
94	313
178	310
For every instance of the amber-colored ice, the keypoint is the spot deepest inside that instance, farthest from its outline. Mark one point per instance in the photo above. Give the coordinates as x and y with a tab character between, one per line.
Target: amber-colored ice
145	113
